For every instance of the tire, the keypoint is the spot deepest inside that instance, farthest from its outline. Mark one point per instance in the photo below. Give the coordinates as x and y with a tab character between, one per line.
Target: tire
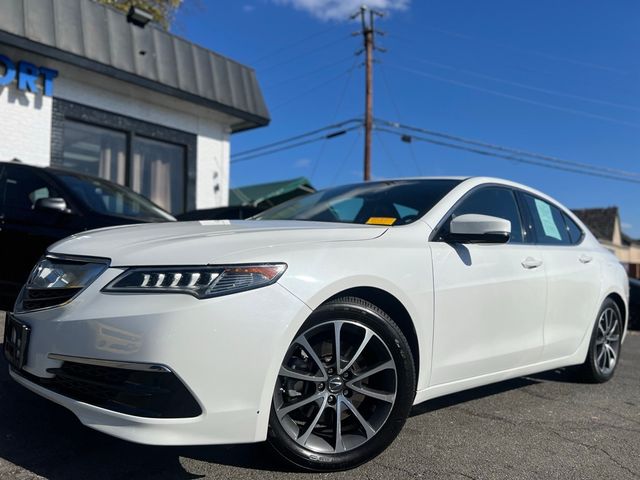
604	348
372	386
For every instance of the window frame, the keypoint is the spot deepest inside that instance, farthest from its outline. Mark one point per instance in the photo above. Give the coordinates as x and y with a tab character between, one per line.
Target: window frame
437	234
64	111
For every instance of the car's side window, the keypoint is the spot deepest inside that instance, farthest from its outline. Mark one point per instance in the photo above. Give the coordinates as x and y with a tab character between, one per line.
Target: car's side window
23	188
575	232
548	222
495	201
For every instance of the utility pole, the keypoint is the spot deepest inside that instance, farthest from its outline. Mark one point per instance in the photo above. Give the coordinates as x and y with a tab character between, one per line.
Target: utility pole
368	32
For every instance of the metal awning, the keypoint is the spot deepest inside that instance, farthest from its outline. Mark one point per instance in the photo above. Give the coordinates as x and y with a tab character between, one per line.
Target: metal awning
270	194
98	38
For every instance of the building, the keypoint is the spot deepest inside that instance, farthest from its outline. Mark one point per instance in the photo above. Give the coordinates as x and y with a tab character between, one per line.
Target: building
267	195
605	224
81	87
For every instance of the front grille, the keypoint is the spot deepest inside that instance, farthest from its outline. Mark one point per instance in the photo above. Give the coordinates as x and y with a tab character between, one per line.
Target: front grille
34	298
151	394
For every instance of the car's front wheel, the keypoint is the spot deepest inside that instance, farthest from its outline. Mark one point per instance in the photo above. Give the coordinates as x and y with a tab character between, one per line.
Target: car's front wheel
345	387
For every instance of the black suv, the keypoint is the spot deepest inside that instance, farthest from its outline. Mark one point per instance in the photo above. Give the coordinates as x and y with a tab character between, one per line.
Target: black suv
39	206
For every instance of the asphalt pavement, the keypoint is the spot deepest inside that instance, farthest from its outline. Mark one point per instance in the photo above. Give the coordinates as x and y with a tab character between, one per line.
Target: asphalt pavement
545	426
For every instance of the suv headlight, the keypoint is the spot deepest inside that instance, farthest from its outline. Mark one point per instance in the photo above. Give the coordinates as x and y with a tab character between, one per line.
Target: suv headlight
55	280
201	282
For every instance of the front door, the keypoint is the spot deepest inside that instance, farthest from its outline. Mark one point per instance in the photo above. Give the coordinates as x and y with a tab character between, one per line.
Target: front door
490	299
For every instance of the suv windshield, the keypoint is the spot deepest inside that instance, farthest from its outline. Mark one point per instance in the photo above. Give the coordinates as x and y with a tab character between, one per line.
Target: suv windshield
112	199
396	202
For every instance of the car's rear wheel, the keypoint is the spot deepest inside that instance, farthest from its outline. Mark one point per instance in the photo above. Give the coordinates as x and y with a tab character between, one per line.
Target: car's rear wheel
345	388
604	349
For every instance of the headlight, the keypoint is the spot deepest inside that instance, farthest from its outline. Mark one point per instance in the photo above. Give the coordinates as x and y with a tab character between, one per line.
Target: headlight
201	282
56	280
58	273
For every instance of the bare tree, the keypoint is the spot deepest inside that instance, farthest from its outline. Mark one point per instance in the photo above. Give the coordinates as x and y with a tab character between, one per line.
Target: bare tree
163	11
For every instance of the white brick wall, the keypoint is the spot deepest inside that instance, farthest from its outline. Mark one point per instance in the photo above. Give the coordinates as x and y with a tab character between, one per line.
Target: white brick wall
212	184
25	126
25	130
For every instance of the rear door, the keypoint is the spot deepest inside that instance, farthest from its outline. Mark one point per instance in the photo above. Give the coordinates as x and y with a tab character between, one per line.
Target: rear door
490	299
573	276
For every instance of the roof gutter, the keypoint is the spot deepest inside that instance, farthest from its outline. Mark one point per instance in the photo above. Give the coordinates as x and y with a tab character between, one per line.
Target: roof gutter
249	120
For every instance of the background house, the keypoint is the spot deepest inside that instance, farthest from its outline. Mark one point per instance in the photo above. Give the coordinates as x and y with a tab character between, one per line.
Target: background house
604	223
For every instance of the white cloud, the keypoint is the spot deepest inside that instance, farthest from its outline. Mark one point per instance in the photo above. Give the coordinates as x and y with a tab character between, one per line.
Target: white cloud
342	9
248	8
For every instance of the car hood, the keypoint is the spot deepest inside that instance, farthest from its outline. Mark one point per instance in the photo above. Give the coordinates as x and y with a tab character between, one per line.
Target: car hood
196	243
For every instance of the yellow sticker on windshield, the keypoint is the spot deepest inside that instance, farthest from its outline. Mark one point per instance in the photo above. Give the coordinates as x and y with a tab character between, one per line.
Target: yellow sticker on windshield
381	221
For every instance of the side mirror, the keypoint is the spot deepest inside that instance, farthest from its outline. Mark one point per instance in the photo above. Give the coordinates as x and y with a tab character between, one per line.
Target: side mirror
474	228
52	203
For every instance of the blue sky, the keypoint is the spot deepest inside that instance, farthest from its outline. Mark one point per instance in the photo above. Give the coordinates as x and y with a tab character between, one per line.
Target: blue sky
558	78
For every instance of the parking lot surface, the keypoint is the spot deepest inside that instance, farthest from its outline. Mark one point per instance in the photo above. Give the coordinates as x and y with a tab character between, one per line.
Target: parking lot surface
540	427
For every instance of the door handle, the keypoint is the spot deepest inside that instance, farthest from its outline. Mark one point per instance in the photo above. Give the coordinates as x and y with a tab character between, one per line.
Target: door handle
585	258
530	263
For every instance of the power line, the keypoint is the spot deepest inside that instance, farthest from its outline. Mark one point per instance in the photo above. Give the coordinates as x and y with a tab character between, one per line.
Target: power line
341	97
308	73
537	53
292	44
514	157
313	89
304	54
395	106
296	145
346	158
547	158
515	97
526	86
334	126
468	145
388	154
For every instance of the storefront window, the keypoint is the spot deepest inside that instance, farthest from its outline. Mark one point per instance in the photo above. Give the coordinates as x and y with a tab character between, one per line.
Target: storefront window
96	151
154	168
157	172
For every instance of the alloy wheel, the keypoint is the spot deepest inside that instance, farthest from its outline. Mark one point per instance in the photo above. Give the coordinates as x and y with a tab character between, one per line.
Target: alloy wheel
336	387
607	341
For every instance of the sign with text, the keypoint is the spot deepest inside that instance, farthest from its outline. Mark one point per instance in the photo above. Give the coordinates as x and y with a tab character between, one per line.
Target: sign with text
27	76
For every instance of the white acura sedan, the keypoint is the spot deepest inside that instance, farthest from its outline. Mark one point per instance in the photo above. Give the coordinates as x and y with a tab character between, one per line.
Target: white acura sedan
319	323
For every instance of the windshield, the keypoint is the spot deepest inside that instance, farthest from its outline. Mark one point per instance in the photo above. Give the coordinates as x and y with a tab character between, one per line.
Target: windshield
396	202
111	199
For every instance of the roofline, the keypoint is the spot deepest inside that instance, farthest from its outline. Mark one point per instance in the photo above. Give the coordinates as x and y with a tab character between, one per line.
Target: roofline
250	120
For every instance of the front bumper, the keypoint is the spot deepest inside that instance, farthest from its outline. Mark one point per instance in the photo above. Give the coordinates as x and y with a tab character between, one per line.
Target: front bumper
226	351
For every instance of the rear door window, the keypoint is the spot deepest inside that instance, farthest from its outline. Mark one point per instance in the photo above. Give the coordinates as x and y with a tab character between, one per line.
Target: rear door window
548	222
575	232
